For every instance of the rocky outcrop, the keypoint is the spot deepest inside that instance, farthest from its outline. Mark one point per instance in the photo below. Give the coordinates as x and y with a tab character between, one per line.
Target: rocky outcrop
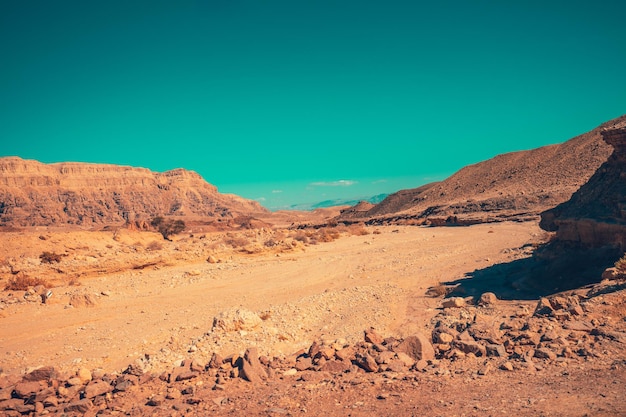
595	216
515	185
37	194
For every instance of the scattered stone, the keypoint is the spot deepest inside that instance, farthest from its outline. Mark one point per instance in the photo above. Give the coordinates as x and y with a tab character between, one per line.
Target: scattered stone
454	302
81	406
84	375
487	299
506	366
417	347
212	259
83	300
372	337
290	372
545	353
236	320
41	374
26	389
96	388
368	363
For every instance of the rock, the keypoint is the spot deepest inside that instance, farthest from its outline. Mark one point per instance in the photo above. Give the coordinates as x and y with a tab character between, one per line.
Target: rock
156	401
496	350
186	375
96	388
405	359
26	389
290	372
471	347
83	300
212	259
251	369
173	394
303	363
544	308
84	374
81	406
16	405
610	273
506	366
41	374
236	320
487	299
368	363
215	362
545	353
454	302
372	337
335	366
197	366
345	354
417	347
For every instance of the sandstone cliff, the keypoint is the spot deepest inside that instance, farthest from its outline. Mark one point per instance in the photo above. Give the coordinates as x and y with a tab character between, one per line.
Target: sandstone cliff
595	216
513	185
37	194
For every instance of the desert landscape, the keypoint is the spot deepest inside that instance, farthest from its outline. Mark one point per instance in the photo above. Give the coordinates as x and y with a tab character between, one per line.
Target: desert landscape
498	291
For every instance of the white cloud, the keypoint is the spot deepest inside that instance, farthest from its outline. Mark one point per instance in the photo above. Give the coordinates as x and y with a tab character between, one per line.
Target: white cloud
277	191
379	181
260	199
340	183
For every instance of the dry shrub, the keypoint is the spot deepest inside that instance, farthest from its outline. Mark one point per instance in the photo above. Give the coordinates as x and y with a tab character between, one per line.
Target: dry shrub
154	246
377	232
265	315
620	265
301	236
327	235
237	241
21	282
358	230
50	257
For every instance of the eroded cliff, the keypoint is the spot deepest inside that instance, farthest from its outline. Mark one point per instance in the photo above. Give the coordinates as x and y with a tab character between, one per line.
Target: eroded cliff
37	194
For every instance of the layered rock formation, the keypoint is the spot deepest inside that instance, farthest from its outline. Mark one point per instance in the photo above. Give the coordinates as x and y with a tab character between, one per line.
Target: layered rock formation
37	194
595	216
514	185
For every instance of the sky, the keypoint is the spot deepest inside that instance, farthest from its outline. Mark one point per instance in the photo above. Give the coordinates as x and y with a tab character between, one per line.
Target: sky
298	101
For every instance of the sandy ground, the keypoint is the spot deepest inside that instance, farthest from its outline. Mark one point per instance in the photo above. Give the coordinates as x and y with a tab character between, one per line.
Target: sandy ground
328	290
124	297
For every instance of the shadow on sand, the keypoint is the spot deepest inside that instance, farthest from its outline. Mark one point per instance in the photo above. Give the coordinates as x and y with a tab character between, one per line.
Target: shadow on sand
553	267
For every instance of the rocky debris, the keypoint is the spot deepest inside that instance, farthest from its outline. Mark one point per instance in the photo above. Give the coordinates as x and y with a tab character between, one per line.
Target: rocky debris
236	320
83	300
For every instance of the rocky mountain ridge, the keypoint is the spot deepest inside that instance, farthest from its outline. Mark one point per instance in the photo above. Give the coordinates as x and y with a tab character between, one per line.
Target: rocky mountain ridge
37	194
508	186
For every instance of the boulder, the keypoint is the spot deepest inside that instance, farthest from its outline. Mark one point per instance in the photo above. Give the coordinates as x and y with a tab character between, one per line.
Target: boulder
96	388
235	320
418	347
454	302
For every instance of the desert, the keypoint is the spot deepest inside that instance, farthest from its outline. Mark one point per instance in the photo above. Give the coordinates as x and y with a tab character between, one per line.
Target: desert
512	309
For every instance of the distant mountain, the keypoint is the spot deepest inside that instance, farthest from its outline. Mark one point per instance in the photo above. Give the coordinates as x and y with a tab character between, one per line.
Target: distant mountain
512	185
338	202
37	194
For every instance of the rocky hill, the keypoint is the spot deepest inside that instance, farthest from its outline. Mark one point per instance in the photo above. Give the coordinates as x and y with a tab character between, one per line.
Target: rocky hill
596	214
512	185
37	194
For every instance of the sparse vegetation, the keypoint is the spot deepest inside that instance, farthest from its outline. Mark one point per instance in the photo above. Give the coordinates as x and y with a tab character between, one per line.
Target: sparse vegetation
50	257
154	246
21	282
620	265
167	227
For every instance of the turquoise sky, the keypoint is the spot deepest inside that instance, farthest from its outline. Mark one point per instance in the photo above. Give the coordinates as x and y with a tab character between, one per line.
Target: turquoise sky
296	101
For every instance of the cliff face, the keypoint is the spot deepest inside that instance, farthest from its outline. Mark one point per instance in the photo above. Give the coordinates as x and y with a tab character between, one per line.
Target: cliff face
595	216
511	185
37	194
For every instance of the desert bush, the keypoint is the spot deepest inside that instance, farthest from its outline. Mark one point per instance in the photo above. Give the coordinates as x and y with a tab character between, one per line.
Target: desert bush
21	282
301	236
154	246
50	257
358	230
620	265
236	241
167	227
